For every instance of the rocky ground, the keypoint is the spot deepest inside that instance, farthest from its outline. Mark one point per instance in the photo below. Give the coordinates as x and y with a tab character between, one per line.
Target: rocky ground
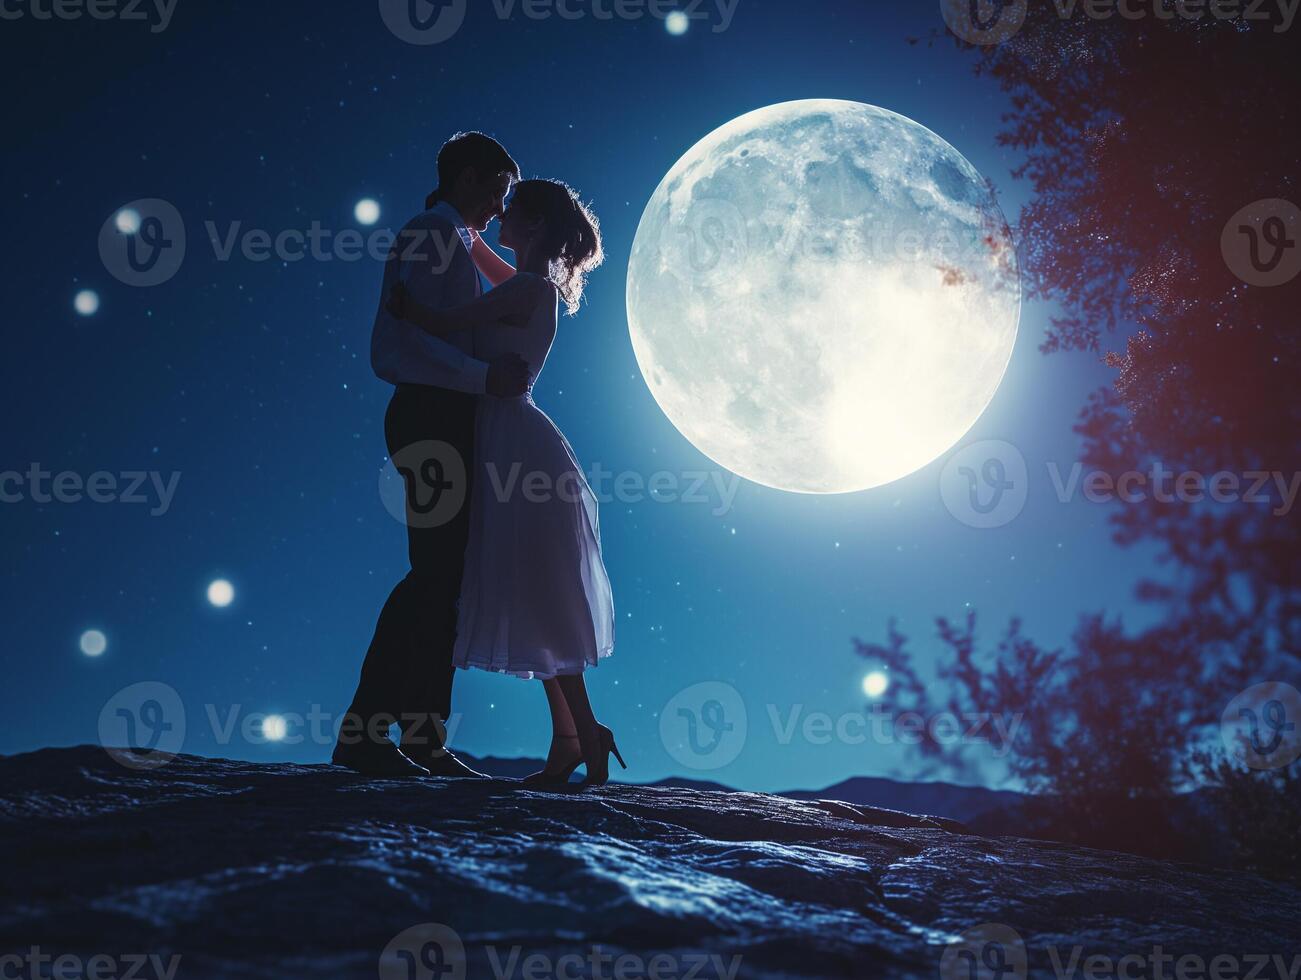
213	868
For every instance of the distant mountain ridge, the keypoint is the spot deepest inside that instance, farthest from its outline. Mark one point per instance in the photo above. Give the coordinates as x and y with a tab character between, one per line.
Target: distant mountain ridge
1175	829
950	800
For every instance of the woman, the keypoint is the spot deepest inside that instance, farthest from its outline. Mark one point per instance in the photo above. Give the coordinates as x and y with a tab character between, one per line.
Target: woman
535	600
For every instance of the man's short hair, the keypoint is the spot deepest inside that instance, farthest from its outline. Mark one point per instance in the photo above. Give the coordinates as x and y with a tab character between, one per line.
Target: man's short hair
466	151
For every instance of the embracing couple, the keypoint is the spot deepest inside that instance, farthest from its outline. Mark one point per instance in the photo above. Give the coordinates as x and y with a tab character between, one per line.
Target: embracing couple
506	583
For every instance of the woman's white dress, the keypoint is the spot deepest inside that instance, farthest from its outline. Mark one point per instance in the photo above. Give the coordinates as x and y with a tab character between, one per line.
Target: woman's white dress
535	598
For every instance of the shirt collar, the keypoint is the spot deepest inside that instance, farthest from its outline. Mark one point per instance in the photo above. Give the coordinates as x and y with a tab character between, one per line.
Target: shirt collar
453	215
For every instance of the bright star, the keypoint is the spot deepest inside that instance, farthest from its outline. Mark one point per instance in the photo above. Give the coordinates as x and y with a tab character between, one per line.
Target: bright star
875	683
274	728
93	643
128	221
367	211
86	302
677	23
221	593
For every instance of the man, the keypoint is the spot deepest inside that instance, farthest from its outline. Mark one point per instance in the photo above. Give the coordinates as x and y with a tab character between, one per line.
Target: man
407	674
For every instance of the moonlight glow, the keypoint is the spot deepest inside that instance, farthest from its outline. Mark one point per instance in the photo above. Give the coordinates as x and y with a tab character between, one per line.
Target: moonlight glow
822	296
93	643
86	302
677	23
367	211
221	593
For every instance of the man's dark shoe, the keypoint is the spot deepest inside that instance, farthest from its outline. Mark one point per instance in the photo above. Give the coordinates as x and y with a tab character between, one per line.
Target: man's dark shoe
440	762
378	759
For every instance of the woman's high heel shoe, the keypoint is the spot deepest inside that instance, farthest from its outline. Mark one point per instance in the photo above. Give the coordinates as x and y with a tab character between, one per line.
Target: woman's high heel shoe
560	776
598	772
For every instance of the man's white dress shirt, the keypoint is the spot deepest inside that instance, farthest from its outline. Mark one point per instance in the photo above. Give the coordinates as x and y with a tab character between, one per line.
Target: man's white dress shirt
432	255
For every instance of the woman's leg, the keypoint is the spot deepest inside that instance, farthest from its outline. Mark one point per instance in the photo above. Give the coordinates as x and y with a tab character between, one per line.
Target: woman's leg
596	740
562	722
574	693
564	754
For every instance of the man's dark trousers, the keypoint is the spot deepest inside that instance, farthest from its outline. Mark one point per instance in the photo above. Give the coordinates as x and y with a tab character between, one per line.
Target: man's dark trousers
407	674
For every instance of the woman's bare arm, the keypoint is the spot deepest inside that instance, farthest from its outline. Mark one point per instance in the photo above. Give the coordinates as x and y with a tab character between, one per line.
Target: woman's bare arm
493	267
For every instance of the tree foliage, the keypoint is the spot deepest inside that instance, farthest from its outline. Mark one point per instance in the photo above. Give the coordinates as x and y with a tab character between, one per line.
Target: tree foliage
1140	140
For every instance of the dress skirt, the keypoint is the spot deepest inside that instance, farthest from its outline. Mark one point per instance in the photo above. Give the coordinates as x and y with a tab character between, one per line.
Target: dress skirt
535	597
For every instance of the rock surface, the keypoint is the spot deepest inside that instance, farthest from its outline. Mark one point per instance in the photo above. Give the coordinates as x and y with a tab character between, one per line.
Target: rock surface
243	869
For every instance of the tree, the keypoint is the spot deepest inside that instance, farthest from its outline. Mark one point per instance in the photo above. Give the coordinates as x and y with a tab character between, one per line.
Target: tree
1141	140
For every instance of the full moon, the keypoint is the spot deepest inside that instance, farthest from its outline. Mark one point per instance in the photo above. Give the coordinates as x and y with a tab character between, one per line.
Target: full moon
823	296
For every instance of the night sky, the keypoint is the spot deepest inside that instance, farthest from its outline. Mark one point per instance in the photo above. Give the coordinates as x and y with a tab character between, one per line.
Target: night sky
252	379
